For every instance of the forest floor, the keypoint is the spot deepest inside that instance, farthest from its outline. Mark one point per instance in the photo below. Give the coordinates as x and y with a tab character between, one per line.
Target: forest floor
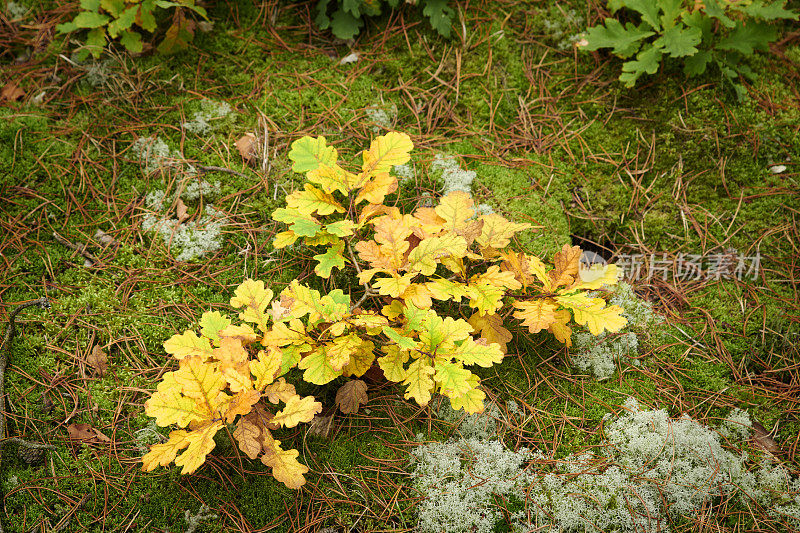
672	169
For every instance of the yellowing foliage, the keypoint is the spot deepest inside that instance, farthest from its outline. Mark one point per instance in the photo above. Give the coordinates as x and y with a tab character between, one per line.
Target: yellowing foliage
405	269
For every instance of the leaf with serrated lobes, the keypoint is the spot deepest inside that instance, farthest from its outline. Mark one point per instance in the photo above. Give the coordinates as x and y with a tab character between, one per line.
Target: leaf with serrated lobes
308	153
351	396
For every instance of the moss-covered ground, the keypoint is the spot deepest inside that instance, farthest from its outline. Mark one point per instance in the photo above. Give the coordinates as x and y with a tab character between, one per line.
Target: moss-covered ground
673	167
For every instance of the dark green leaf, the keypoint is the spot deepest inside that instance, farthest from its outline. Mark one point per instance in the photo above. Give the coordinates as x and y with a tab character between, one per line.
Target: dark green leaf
648	9
344	25
696	64
115	7
95	42
124	22
715	10
672	10
352	6
749	37
131	40
623	41
700	21
322	19
145	18
440	16
679	41
90	5
66	27
773	11
646	61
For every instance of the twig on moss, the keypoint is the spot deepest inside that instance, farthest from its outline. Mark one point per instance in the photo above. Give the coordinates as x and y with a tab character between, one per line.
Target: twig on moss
212	168
79	247
43	303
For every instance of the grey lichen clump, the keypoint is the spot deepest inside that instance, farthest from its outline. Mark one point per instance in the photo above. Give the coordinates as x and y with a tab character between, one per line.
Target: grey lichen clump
654	470
600	354
193	238
210	114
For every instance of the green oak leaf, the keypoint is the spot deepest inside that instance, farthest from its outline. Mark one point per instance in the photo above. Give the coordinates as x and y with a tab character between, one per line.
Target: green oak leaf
623	41
679	41
646	61
331	259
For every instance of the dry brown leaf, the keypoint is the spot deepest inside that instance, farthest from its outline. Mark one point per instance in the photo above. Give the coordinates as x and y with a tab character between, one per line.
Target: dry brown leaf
321	426
85	433
567	263
11	92
182	210
351	396
248	147
764	440
98	360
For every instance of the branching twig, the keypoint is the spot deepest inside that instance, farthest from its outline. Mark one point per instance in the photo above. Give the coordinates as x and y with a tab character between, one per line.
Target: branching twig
80	248
43	303
211	168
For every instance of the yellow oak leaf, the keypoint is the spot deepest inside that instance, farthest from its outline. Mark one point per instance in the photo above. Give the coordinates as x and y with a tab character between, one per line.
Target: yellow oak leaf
560	329
596	276
484	297
284	334
393	286
497	231
318	369
333	178
419	381
457	208
452	378
284	239
477	352
201	381
360	360
392	363
471	401
490	327
279	391
536	314
371	321
168	406
211	323
599	318
429	222
254	298
297	410
494	276
445	289
386	152
241	404
429	252
418	295
312	200
371	252
340	349
285	466
186	344
266	366
164	454
242	333
201	442
376	188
